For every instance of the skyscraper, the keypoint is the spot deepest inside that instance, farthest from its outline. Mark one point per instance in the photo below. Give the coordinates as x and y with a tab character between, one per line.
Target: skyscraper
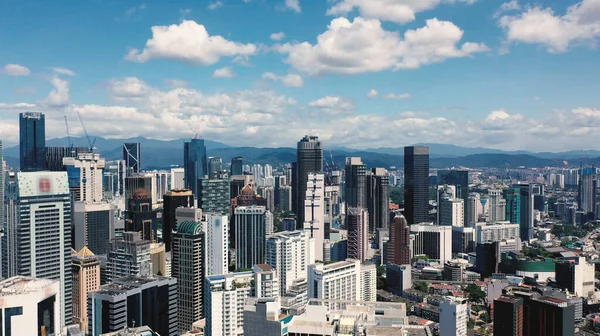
224	299
237	164
85	176
32	136
356	183
250	237
398	247
217	244
171	201
496	205
289	253
86	279
347	277
314	211
519	208
215	167
576	275
93	226
132	156
140	217
454	317
357	223
195	164
309	159
129	255
586	192
378	201
188	267
416	184
459	179
55	156
37	238
213	196
508	316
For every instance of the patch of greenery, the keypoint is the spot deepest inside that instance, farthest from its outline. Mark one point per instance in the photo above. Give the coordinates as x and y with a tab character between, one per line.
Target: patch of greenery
397	195
476	295
421	286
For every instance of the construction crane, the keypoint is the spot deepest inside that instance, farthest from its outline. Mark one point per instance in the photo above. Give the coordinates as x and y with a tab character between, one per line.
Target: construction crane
90	142
68	134
195	134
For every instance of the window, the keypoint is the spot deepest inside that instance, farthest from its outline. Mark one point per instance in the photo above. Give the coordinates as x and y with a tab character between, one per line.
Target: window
10	312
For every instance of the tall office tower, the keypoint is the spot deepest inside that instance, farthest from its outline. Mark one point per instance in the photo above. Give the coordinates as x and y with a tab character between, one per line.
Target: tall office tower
416	184
93	226
488	259
37	232
289	253
31	306
268	193
86	279
548	316
114	179
496	205
494	232
473	209
257	171
285	198
85	176
138	301
378	200
357	224
132	156
356	183
215	168
217	244
171	201
454	317
268	170
432	240
576	275
398	247
237	164
586	192
177	178
508	316
127	256
146	182
32	136
250	235
140	217
266	282
188	267
309	159
213	196
314	211
55	156
459	179
519	208
339	281
224	300
163	183
451	211
368	283
195	164
188	214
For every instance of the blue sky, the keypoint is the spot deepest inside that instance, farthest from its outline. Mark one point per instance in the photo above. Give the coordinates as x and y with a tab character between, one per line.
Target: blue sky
358	73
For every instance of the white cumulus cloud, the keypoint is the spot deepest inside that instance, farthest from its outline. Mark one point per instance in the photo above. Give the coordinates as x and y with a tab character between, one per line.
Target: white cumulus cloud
372	94
290	80
333	105
277	36
365	46
226	72
293	5
188	42
15	70
397	96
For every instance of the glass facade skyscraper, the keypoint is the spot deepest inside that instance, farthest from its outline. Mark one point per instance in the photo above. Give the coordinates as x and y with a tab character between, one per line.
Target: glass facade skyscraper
32	136
131	156
416	184
195	164
459	179
309	159
237	164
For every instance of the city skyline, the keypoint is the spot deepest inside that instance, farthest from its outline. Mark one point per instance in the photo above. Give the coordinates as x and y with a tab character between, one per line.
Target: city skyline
497	85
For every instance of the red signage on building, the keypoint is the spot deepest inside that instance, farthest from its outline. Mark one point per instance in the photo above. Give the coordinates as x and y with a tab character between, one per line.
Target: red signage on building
45	185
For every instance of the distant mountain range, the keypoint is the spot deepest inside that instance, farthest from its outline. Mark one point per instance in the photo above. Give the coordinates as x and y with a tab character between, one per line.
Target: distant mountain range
157	154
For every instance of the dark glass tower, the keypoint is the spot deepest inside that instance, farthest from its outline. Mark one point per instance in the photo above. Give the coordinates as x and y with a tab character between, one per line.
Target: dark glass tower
378	200
32	135
173	200
309	159
355	190
132	156
519	209
459	179
237	164
416	184
195	164
215	167
508	316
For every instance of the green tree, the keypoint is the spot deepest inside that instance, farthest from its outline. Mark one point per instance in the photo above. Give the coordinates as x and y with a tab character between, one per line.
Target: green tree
476	295
485	318
421	286
397	195
470	324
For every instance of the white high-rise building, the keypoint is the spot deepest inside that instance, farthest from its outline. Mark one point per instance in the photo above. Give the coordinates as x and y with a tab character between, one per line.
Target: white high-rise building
87	168
217	244
368	282
289	253
31	305
177	176
495	232
268	171
451	212
266	282
37	231
224	299
453	317
496	206
343	280
163	183
314	211
432	240
474	209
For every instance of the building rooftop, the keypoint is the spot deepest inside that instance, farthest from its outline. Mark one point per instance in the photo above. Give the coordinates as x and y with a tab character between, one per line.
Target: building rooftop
264	267
23	285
